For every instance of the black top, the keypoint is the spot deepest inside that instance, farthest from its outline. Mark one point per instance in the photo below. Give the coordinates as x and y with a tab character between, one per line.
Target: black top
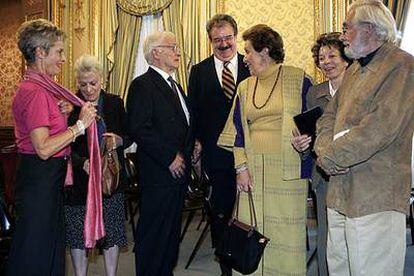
114	118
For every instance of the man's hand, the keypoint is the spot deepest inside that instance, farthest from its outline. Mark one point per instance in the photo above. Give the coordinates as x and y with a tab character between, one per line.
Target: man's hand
300	142
177	167
331	170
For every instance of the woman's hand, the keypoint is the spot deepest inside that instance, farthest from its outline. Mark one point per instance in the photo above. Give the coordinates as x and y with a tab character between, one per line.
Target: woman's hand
244	181
65	107
86	166
87	114
300	142
115	140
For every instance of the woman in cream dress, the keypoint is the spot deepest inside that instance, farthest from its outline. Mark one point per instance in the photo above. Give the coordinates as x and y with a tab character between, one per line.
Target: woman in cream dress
258	132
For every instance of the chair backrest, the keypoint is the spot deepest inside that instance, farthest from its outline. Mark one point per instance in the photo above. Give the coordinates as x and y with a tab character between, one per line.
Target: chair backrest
131	172
5	219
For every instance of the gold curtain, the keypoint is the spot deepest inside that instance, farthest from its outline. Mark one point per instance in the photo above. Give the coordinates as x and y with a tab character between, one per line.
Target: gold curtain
124	53
106	40
399	9
120	36
187	19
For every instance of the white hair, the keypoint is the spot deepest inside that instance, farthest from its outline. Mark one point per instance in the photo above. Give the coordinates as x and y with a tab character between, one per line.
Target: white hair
87	63
374	12
152	41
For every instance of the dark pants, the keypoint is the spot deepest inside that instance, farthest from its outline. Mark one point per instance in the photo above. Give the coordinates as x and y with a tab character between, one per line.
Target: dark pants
158	230
222	200
38	246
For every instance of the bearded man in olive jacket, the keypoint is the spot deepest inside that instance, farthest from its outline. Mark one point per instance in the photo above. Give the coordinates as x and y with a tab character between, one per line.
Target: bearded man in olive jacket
364	142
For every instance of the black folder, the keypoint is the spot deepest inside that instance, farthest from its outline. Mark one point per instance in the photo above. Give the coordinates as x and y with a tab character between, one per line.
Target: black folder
306	121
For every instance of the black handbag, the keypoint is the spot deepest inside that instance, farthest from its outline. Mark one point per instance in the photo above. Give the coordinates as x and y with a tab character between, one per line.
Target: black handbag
241	246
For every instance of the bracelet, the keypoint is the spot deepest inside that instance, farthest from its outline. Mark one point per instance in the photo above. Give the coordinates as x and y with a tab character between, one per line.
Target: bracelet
81	127
73	132
241	168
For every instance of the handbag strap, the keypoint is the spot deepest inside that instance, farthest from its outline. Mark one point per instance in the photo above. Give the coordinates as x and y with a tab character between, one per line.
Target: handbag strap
253	218
252	211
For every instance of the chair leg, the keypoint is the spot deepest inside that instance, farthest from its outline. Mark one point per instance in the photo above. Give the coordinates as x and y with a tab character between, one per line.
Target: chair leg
203	218
198	244
187	223
411	220
131	217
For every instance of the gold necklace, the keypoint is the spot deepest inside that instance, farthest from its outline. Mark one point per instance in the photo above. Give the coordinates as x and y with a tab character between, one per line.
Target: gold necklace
270	94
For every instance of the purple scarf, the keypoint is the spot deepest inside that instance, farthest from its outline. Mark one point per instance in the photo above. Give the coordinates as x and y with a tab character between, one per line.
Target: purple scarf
94	228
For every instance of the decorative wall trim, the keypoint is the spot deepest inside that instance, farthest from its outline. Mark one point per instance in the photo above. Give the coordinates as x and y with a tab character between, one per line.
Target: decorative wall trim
220	8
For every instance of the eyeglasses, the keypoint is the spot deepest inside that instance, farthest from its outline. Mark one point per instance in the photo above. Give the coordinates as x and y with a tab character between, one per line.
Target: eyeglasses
226	38
174	47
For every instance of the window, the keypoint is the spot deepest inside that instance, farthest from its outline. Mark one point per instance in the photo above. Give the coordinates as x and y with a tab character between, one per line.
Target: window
150	23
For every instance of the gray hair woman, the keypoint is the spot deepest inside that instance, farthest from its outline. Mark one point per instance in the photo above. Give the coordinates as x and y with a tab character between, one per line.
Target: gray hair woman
42	138
110	122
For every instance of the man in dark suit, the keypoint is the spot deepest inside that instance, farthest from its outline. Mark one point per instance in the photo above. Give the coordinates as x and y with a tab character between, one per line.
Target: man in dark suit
160	123
212	88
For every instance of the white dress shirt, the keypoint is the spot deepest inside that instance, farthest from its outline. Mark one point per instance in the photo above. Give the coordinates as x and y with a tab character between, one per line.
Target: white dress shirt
233	66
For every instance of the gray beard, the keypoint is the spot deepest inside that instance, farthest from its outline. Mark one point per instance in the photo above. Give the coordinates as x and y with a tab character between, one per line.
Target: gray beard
350	53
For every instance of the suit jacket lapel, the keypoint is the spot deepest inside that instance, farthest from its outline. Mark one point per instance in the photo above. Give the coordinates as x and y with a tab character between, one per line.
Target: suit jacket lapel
323	91
212	75
167	91
242	71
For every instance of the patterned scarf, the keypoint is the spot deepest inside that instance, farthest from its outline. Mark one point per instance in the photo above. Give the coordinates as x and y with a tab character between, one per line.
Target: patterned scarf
94	228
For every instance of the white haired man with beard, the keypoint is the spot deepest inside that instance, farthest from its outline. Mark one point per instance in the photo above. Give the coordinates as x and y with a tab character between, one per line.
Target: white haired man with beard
364	143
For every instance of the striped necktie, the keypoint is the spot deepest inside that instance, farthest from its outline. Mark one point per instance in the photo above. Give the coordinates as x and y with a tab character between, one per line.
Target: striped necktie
227	81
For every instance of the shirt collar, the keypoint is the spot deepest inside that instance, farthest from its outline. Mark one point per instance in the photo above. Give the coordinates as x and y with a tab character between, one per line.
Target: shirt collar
365	60
332	91
233	61
163	74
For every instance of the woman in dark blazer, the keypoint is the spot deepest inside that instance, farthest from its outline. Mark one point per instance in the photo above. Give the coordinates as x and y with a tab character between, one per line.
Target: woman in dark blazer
110	122
329	56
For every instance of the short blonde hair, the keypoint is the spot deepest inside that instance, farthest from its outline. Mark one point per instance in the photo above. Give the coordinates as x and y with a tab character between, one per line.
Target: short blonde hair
37	33
87	63
374	12
152	41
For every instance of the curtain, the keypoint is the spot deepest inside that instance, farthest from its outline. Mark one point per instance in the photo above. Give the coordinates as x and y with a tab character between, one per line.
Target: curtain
109	27
124	53
399	9
121	36
187	19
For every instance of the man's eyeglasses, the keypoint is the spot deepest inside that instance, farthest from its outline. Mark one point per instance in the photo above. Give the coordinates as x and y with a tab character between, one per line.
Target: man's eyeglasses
174	47
226	38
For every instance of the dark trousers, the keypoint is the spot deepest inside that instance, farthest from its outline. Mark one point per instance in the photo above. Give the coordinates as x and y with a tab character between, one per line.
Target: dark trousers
223	195
320	193
38	246
158	230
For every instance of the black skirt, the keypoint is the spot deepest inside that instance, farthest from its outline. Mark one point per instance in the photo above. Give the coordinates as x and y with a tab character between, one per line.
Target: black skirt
38	245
